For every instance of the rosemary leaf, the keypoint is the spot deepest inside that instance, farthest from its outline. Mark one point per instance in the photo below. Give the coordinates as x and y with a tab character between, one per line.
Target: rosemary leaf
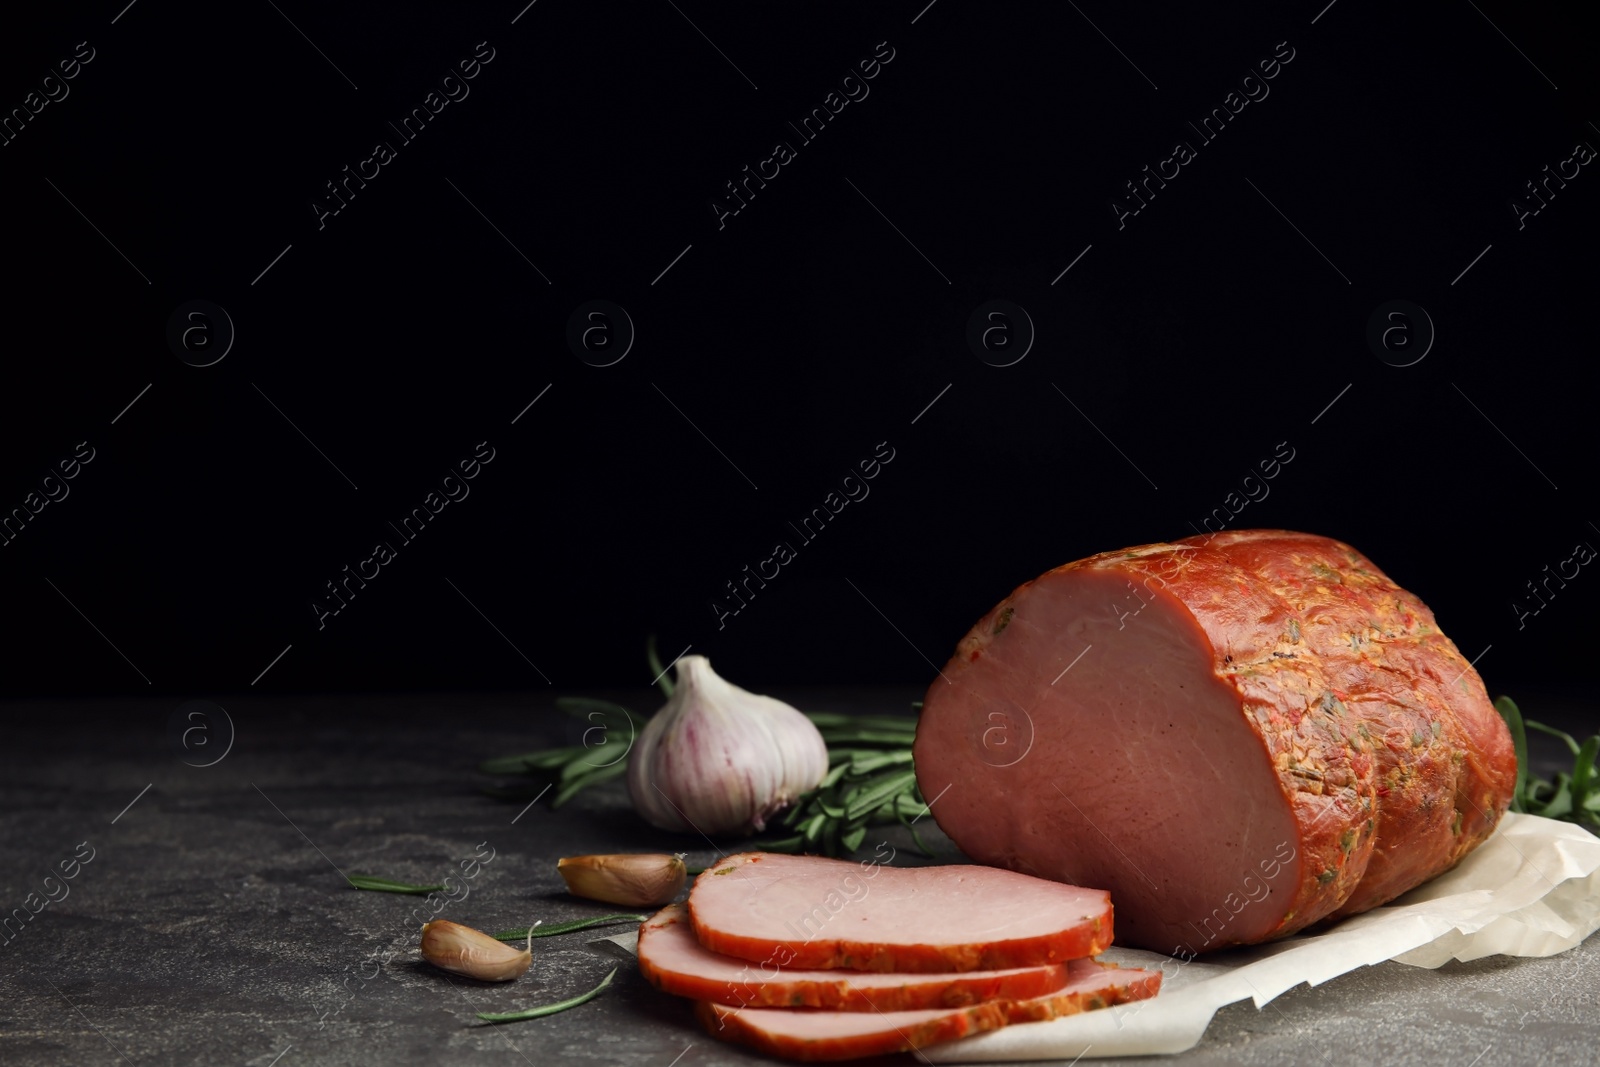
657	671
595	762
548	1009
515	792
910	825
1572	745
544	759
783	844
389	885
1573	796
1519	740
878	792
1583	774
879	760
900	738
827	719
834	775
588	707
570	788
543	930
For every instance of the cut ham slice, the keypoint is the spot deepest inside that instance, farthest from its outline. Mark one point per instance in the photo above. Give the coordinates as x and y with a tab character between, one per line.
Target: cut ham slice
814	913
844	1035
673	961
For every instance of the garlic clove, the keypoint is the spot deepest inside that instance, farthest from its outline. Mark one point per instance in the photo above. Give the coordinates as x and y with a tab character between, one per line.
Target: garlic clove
717	759
463	950
633	880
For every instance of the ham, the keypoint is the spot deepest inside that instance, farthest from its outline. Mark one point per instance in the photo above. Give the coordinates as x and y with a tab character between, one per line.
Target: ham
842	1035
672	960
812	913
1237	735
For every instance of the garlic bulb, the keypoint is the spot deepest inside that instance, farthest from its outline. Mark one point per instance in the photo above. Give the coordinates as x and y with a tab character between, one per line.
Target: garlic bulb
630	879
717	759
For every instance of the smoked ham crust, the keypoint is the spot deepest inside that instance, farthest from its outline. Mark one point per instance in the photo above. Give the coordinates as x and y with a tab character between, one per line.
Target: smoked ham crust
1237	735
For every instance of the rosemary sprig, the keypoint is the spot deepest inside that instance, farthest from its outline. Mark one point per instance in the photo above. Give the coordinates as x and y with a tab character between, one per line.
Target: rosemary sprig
551	929
389	885
548	1009
1573	797
870	781
602	756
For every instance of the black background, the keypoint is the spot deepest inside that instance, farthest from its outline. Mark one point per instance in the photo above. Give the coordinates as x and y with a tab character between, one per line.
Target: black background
796	338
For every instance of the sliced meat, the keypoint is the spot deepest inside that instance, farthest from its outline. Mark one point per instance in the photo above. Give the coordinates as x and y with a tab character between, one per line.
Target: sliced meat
813	913
1236	735
672	960
841	1035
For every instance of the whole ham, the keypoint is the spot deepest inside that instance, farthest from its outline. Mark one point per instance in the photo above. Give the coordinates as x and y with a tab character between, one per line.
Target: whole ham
1236	735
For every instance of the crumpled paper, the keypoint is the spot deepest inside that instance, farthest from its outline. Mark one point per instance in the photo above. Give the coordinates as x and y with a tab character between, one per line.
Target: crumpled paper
1531	889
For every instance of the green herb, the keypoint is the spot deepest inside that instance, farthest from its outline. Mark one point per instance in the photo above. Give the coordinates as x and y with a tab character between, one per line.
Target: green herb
548	1009
389	885
601	757
1573	797
870	781
567	927
657	671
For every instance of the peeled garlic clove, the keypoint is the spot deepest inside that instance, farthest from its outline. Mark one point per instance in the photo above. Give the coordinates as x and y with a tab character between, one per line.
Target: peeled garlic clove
463	950
635	881
717	759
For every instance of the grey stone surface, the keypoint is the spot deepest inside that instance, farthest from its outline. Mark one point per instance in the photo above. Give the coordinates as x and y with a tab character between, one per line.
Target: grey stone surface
211	926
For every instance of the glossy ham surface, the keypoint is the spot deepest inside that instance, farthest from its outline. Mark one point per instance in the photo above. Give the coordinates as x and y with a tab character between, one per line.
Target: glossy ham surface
838	1035
809	912
1237	735
674	961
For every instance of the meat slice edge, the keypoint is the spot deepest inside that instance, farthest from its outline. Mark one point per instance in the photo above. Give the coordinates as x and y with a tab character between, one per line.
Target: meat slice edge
815	1036
809	912
674	961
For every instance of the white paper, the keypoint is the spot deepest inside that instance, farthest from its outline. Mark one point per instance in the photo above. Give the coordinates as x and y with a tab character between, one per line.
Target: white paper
1532	889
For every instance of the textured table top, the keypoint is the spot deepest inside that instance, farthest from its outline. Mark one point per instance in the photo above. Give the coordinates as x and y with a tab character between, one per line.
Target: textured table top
211	925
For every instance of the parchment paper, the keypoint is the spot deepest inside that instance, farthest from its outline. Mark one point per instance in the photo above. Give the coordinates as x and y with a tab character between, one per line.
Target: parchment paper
1532	889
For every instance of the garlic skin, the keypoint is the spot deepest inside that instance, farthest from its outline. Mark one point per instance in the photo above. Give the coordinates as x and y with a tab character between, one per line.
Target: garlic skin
633	880
463	950
717	759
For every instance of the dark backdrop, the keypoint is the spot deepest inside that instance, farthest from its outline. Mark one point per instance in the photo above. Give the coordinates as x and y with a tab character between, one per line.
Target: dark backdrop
777	348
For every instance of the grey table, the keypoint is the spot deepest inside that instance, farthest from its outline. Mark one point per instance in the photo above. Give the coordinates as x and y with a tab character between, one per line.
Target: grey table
211	925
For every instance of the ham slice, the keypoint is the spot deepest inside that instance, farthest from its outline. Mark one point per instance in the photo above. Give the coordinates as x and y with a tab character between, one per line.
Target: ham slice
844	1035
672	960
815	914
